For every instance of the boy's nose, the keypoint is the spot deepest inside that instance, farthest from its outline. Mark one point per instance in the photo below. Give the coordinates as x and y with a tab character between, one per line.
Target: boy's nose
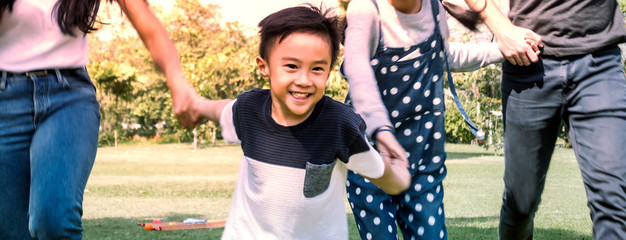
304	80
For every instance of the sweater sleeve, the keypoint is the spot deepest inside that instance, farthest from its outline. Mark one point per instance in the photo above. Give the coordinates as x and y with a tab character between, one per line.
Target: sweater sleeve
466	57
360	44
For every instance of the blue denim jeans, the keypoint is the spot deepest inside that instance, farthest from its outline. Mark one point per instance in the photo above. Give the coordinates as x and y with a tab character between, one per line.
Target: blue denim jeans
588	92
48	141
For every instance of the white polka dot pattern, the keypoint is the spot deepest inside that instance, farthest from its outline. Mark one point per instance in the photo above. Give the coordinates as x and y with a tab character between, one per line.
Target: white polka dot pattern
431	221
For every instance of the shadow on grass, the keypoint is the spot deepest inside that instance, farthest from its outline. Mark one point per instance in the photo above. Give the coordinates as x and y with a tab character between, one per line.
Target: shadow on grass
127	228
465	228
466	155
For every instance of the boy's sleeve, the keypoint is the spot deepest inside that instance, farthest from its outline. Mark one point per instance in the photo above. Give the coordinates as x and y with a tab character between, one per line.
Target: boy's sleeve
367	163
227	122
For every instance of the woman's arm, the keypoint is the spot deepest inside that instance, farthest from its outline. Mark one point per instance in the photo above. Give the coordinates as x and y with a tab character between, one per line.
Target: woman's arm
165	56
465	57
360	42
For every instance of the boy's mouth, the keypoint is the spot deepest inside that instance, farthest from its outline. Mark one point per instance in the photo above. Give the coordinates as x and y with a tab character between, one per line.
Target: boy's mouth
299	95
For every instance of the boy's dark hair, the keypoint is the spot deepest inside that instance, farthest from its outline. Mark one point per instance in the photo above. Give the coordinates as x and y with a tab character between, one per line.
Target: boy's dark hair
70	14
308	19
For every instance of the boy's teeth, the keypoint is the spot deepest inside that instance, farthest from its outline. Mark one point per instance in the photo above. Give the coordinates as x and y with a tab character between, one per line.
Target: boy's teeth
299	95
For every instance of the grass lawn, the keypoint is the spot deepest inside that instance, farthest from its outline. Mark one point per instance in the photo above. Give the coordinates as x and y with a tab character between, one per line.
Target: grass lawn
131	184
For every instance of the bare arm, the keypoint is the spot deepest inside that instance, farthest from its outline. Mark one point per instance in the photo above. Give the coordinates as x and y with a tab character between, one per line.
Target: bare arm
518	45
211	109
165	56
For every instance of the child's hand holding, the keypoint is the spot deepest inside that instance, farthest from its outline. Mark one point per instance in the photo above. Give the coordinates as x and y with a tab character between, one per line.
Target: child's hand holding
397	177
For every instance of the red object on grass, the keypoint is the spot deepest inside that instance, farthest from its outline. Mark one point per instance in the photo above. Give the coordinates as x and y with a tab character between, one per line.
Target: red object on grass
172	226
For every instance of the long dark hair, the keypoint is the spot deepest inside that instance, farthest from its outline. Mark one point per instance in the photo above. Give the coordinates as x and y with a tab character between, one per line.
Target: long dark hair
469	18
71	14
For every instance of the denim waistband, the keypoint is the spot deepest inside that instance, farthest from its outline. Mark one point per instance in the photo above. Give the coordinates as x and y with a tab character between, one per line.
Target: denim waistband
39	72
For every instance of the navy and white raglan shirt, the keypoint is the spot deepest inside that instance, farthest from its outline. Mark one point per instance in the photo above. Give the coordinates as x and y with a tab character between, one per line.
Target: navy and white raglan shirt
291	181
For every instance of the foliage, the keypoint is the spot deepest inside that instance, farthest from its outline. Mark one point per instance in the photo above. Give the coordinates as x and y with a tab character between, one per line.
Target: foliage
106	138
217	58
479	92
622	5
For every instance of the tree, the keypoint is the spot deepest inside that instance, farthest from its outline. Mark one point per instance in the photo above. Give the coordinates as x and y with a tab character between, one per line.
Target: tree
217	58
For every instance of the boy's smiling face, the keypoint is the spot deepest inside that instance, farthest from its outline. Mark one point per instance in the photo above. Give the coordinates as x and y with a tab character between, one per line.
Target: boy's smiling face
298	69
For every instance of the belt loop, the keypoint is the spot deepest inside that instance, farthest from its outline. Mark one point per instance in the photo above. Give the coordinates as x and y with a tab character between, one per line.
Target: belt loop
60	78
3	81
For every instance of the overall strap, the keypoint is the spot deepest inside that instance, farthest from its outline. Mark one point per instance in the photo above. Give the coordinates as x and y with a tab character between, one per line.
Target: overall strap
473	128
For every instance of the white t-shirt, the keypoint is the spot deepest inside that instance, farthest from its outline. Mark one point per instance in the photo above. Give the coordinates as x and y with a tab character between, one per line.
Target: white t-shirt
31	39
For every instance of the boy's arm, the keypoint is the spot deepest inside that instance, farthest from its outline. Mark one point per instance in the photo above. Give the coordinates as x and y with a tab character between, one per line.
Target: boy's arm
211	109
513	41
165	56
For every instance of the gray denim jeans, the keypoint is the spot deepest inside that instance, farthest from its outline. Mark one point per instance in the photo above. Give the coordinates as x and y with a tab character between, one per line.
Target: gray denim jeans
588	92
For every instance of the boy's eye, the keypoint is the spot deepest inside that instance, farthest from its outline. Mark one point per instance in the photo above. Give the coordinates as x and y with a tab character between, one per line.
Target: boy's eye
318	69
292	66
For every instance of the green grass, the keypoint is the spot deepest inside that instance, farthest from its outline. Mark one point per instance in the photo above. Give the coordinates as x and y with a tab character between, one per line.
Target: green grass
131	184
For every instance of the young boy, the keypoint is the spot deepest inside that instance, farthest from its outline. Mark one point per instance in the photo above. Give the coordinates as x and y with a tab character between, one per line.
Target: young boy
297	142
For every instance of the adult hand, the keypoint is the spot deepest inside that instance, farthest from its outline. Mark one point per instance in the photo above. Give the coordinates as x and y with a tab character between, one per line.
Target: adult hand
390	149
184	104
520	46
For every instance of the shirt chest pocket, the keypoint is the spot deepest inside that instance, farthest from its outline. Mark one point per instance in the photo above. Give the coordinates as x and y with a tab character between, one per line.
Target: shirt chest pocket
317	178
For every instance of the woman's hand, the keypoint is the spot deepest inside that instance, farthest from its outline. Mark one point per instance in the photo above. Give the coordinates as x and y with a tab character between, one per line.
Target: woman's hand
390	149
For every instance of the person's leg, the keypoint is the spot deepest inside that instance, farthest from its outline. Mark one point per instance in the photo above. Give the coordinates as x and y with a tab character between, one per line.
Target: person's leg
374	210
420	214
532	106
62	154
597	119
16	129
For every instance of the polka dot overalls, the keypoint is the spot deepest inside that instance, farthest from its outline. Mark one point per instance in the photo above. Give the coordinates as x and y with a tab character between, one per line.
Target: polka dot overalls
412	91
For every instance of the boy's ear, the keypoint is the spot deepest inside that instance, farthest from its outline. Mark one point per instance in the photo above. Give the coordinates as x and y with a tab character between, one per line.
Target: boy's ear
263	67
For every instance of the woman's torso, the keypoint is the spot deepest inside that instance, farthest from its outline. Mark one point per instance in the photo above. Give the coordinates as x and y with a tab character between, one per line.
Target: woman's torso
31	39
